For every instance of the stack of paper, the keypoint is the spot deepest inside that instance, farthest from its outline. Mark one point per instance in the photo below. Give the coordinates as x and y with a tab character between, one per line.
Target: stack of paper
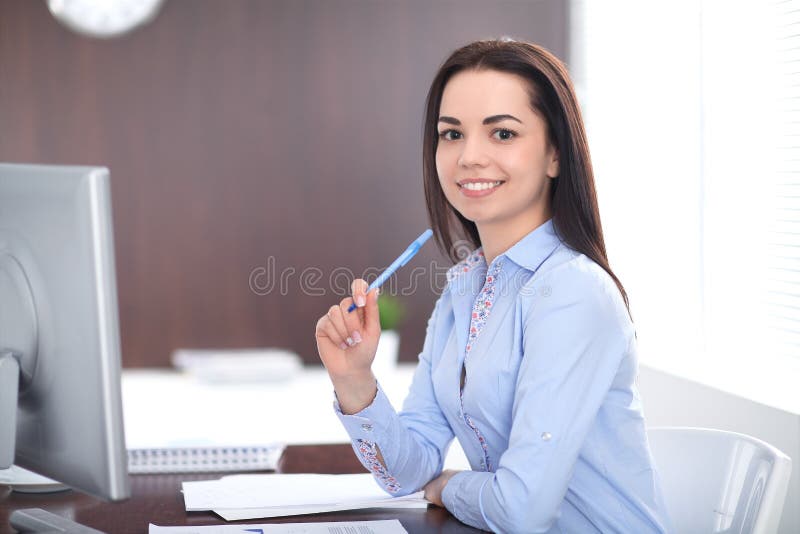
252	496
391	526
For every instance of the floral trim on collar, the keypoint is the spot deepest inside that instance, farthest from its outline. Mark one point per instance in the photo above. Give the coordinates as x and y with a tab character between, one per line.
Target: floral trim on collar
467	264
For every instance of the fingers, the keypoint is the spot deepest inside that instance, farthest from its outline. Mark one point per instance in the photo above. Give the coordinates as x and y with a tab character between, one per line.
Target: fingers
346	329
326	337
328	328
372	320
342	322
359	288
432	494
352	321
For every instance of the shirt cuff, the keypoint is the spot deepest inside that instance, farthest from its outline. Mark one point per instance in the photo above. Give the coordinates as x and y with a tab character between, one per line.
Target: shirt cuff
374	423
462	497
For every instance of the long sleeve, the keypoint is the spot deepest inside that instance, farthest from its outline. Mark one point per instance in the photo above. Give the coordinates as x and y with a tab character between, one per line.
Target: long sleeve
575	337
414	442
531	363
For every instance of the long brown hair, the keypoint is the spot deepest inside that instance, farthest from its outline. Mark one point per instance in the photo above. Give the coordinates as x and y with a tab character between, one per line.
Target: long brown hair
576	217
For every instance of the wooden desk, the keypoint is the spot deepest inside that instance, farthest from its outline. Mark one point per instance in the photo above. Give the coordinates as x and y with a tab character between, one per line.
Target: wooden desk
157	499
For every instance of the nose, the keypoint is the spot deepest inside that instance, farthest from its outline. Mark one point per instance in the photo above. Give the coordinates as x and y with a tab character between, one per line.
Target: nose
473	153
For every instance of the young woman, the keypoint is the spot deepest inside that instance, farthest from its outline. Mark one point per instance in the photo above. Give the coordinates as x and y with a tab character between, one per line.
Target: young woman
530	354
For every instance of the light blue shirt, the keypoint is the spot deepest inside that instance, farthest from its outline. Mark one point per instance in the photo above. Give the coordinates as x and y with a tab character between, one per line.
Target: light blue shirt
557	441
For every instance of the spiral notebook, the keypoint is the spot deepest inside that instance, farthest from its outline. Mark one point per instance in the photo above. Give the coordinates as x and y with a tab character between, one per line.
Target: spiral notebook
214	459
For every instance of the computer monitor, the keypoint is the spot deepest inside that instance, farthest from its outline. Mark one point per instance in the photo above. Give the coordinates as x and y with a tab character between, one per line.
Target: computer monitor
60	398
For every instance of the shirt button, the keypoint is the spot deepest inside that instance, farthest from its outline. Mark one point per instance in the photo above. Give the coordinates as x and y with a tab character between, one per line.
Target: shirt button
366	427
546	436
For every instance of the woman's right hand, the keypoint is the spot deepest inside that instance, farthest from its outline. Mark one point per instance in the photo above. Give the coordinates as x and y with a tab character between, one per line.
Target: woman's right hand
347	343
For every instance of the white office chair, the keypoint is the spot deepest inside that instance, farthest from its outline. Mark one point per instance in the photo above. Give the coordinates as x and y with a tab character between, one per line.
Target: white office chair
718	481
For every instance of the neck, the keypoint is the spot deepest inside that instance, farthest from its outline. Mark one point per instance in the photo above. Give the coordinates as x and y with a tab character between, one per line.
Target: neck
498	238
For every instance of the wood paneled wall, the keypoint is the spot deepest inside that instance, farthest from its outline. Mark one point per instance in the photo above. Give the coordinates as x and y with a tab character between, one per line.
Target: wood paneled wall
244	133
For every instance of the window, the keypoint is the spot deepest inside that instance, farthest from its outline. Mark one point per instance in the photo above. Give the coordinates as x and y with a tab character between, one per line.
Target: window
693	116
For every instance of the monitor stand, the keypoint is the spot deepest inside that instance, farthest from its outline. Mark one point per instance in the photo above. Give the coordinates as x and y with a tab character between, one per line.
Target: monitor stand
18	314
24	481
9	384
20	480
19	347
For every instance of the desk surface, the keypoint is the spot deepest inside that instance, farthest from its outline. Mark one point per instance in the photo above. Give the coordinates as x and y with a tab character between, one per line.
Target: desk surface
157	499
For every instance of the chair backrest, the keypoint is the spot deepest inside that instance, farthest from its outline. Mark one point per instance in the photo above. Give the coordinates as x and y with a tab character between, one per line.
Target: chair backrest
719	481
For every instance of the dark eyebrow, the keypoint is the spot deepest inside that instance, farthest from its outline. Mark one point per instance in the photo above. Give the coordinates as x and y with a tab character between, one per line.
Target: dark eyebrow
488	120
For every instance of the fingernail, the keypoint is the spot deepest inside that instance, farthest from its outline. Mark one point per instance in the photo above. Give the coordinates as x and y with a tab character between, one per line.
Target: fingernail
357	336
343	346
361	301
349	341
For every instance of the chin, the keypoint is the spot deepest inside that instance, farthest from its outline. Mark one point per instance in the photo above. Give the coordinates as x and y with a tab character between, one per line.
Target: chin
478	217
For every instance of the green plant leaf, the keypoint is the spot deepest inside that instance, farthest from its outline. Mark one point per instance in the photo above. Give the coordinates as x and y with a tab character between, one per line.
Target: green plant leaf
392	311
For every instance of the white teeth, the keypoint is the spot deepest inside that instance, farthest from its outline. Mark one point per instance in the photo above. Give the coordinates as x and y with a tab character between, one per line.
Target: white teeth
480	186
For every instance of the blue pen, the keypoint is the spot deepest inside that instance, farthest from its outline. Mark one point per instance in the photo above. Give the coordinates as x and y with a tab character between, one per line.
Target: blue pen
410	252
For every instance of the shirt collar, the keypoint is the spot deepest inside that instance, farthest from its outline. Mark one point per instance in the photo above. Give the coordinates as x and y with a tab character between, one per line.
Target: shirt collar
472	260
529	252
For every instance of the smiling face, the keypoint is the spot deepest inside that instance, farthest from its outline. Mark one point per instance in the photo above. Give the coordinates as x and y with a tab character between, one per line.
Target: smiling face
493	159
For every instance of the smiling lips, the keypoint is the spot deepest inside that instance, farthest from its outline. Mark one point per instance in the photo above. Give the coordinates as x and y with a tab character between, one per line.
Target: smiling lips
478	187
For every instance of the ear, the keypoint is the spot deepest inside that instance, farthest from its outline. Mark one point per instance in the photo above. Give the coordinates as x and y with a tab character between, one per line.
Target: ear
553	167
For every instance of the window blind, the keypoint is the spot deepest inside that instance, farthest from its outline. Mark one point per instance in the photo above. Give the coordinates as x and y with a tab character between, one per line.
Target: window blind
782	296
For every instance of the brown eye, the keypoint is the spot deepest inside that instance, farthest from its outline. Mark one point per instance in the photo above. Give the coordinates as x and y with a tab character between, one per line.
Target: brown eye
450	135
503	134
